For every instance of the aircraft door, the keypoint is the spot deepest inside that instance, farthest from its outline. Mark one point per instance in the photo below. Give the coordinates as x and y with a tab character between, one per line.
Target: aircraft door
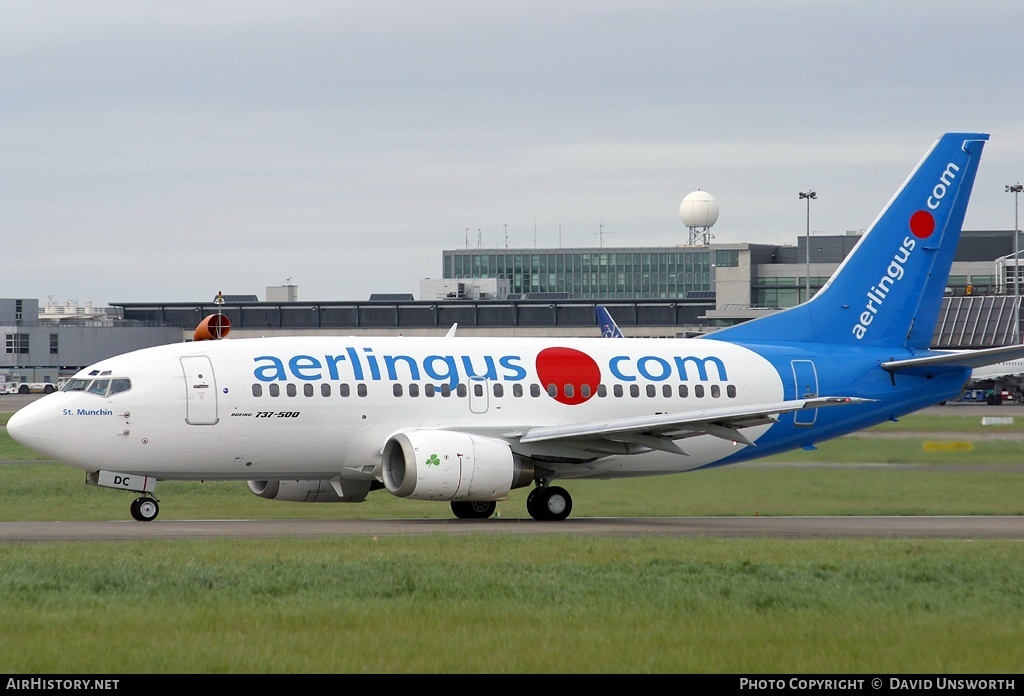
200	390
478	396
805	377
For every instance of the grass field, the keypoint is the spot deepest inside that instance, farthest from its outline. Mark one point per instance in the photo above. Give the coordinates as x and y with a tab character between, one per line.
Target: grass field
512	604
557	604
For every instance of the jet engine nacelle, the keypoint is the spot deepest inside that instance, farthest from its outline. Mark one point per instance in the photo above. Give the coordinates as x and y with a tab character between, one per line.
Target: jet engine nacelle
311	491
449	465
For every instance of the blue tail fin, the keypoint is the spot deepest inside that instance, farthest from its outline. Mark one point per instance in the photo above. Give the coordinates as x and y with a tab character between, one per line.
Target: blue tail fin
889	290
609	329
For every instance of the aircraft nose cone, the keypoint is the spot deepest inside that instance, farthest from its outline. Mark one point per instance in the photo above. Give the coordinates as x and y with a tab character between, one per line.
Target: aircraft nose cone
34	429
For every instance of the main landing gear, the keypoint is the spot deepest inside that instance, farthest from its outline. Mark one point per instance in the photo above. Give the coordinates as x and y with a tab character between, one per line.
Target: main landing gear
545	503
549	503
145	509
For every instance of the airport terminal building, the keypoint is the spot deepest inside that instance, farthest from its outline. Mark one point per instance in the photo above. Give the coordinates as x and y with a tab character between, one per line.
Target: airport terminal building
44	343
650	291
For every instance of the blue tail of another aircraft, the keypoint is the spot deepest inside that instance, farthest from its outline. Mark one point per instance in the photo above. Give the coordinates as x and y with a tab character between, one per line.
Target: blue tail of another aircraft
609	329
889	290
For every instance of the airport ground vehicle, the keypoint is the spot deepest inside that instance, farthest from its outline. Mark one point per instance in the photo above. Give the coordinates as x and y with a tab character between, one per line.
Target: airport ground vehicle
31	387
988	396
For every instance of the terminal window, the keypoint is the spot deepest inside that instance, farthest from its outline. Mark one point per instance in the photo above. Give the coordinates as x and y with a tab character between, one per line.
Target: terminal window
17	343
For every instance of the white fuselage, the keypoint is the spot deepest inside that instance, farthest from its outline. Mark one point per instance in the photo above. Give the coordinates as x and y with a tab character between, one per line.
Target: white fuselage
317	408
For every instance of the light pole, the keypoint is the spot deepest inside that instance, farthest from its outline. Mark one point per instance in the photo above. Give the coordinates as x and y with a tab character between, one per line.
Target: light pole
1015	189
809	195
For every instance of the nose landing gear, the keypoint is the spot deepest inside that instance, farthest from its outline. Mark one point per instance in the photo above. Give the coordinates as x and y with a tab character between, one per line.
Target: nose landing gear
145	509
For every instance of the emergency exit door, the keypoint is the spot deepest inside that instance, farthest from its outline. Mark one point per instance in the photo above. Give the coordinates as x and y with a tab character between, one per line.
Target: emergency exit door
805	379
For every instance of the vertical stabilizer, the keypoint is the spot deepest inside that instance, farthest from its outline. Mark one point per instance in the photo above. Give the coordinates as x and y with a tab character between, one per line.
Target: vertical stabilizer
609	329
889	289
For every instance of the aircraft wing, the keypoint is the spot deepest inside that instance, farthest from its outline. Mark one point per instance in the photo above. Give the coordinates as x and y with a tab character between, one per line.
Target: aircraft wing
955	359
1007	372
660	431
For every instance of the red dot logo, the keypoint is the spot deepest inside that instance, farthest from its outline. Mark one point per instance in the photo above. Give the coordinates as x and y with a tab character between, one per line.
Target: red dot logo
569	370
922	224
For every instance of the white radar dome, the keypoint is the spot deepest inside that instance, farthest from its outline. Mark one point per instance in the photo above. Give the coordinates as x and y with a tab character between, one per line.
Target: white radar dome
699	209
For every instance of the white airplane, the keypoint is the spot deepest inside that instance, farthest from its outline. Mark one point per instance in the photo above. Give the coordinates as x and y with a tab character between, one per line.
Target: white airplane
466	420
1003	376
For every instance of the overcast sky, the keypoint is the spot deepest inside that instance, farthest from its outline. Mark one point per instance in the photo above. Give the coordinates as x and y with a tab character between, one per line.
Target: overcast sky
168	150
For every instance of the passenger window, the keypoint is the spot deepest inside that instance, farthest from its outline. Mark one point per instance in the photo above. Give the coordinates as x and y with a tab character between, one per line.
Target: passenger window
517	390
634	390
666	391
257	390
307	390
499	390
290	389
478	389
396	389
602	390
461	390
275	389
730	391
414	390
552	390
585	391
617	390
716	391
361	390
652	391
683	391
568	390
698	391
325	389
446	389
344	390
535	390
428	390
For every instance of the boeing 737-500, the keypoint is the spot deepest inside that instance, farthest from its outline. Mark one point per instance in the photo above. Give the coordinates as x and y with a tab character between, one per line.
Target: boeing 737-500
466	420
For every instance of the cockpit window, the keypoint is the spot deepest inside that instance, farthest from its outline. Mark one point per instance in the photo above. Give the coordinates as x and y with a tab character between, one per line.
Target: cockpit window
99	387
118	385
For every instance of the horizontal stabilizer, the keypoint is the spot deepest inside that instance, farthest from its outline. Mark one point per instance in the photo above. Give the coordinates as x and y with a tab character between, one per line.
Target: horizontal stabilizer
956	359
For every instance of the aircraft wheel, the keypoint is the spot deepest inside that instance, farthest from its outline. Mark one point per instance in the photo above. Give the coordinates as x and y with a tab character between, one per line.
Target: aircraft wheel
552	504
145	509
531	505
474	509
